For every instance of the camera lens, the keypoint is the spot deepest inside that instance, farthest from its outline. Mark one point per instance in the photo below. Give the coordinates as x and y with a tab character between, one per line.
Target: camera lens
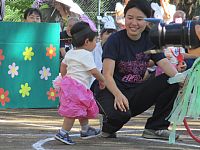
180	35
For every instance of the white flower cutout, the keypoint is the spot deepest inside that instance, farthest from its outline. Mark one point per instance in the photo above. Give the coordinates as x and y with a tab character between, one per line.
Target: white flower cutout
157	11
13	70
45	73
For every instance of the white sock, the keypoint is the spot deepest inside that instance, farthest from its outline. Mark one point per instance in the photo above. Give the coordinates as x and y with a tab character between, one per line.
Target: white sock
84	128
63	131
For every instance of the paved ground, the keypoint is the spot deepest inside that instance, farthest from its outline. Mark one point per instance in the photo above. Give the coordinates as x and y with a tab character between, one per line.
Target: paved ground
29	129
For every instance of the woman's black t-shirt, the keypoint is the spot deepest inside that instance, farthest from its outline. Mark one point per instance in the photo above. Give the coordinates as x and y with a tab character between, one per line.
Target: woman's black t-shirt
130	60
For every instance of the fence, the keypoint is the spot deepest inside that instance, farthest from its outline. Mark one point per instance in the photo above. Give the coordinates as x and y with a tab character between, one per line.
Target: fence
91	7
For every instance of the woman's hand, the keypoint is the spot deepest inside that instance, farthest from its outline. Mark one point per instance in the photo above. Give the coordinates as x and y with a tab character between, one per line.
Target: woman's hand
121	103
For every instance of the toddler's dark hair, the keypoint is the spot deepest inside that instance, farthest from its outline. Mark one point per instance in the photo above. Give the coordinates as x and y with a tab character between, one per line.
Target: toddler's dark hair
80	32
31	11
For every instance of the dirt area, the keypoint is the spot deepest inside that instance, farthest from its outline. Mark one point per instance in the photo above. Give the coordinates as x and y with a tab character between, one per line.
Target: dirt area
31	129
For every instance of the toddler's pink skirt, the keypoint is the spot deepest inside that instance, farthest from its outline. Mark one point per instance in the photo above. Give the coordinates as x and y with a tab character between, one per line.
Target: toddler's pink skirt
76	101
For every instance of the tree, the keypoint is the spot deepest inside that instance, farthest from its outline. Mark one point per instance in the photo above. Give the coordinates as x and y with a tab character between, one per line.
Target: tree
13	16
19	5
15	9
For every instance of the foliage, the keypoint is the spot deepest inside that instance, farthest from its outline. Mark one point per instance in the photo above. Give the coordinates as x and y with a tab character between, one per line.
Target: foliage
15	9
19	5
13	16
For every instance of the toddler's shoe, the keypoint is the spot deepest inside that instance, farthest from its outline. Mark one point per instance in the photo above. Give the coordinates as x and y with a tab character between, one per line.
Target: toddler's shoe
64	138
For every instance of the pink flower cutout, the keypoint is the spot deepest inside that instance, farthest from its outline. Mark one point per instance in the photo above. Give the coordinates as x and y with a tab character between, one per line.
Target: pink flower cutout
1	56
52	94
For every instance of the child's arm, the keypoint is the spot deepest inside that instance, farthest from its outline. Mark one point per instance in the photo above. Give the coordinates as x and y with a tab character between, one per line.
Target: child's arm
63	69
99	77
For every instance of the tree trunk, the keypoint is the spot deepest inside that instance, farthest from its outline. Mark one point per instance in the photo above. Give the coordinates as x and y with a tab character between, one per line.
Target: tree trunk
2	9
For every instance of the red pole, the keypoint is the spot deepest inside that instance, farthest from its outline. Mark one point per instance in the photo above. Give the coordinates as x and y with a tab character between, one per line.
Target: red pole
190	132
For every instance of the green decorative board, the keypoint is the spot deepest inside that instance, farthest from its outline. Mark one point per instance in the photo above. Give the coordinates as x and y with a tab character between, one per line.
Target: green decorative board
29	61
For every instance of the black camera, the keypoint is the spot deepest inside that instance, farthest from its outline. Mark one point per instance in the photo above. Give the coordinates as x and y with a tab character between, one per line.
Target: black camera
174	34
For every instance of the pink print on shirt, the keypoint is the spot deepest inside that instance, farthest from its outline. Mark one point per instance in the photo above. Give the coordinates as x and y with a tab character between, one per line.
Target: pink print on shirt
132	78
133	71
